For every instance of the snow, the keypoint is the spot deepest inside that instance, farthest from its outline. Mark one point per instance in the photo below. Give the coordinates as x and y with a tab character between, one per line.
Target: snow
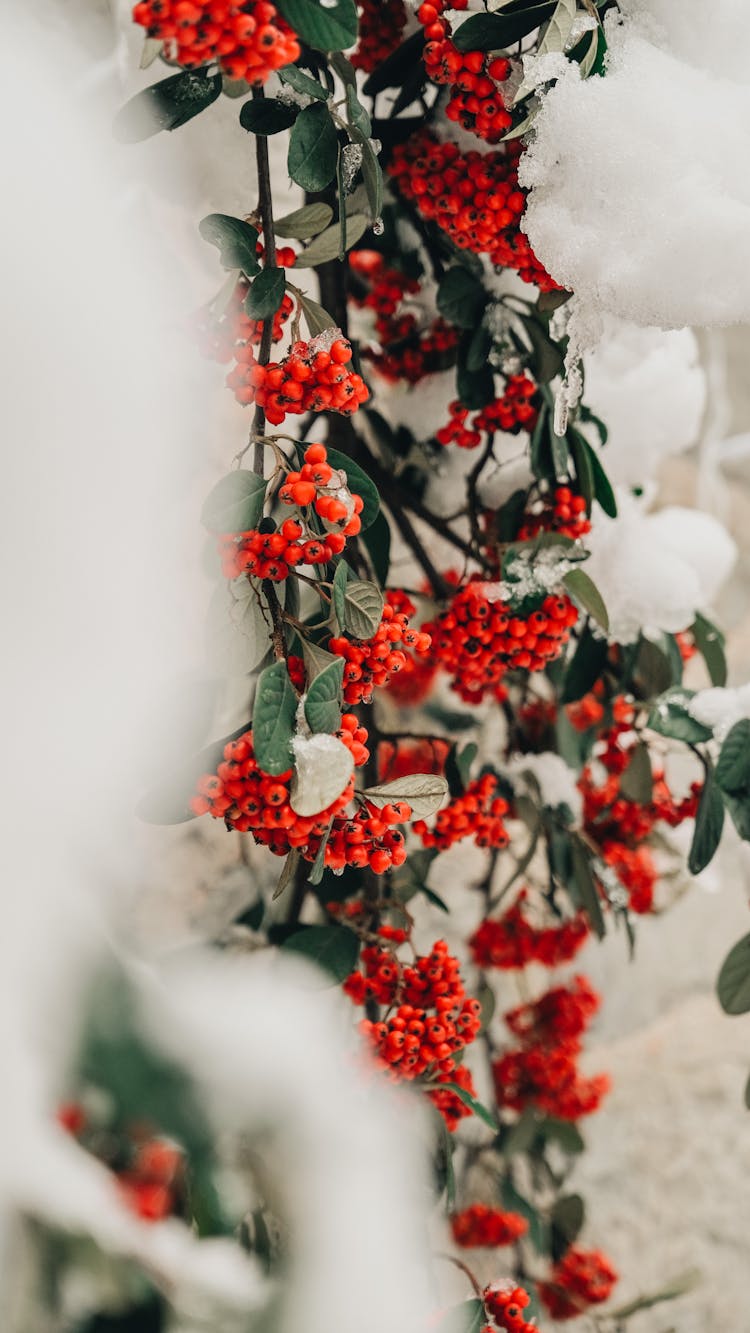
720	708
557	782
655	570
649	389
637	203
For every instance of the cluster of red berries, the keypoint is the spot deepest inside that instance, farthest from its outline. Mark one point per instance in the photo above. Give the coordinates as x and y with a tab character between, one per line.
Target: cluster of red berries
315	376
271	552
513	941
404	350
476	102
505	1303
452	1107
478	639
561	512
580	1279
478	814
151	1183
381	23
399	759
474	197
433	1021
517	409
249	38
480	1225
218	337
370	663
543	1071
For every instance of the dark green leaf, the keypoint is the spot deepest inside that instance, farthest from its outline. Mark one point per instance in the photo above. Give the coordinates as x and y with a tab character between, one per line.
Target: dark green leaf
710	644
149	1316
318	319
479	348
303	83
519	1137
733	767
235	504
584	591
461	298
359	484
671	717
313	148
357	603
637	782
304	222
358	117
266	293
516	1203
585	668
473	1104
335	949
733	985
327	244
377	542
491	32
329	28
709	823
475	388
273	720
603	492
562	1132
235	240
267	116
397	67
584	888
166	105
584	469
547	358
652	674
566	1220
323	698
435	899
372	174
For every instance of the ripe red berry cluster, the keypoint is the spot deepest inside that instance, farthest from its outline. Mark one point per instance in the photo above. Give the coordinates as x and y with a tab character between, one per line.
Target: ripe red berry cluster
474	197
218	337
513	941
451	1107
505	1303
543	1071
273	553
401	758
151	1179
478	814
315	376
562	512
580	1279
477	640
404	350
381	23
370	663
517	409
476	102
433	1021
480	1225
249	38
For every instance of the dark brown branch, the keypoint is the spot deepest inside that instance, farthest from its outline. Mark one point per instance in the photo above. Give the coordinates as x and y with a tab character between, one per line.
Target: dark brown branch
265	208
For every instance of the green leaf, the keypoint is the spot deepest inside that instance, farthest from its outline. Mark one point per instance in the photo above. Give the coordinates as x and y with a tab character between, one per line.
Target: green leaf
461	298
566	1218
733	767
303	83
326	246
587	893
472	1103
266	293
319	864
652	674
323	698
671	717
313	148
357	603
303	222
562	1132
234	504
584	469
519	1137
235	240
316	659
491	32
166	105
547	358
559	27
479	348
733	985
358	117
377	542
273	720
398	66
585	667
330	28
237	637
709	823
267	116
560	457
435	899
475	388
584	591
517	1203
603	492
288	872
468	1317
335	949
359	484
318	319
637	782
710	644
424	792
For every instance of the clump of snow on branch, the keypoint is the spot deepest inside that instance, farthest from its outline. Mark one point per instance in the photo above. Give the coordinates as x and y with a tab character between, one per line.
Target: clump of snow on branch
656	570
637	204
649	388
720	708
556	782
